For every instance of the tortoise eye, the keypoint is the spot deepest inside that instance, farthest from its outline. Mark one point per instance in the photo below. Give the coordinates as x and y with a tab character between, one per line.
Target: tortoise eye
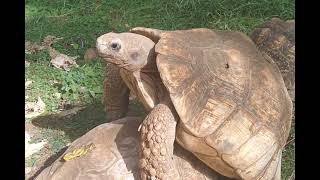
115	46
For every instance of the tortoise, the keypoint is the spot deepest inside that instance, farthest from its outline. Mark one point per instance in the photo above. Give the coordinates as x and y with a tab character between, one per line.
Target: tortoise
276	38
211	91
115	156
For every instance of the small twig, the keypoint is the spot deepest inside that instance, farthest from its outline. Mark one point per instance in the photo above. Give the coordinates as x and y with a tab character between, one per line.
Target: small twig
81	43
290	141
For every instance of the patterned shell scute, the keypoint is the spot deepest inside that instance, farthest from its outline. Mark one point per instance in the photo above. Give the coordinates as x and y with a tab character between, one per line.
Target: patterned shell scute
277	39
116	156
113	158
206	74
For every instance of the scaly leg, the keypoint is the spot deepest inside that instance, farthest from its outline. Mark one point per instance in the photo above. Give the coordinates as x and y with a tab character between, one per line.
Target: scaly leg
116	93
157	135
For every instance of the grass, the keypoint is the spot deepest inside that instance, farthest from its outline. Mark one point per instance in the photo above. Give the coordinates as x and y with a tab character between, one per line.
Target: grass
48	82
80	22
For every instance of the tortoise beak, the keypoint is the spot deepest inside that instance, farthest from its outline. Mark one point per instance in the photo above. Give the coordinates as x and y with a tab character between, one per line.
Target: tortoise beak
101	49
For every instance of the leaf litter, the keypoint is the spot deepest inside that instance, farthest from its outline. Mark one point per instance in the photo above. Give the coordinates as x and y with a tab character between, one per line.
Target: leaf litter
34	109
26	63
27	83
62	61
32	47
58	60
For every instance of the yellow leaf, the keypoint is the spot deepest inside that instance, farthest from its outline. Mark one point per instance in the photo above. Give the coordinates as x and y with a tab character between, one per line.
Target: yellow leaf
78	152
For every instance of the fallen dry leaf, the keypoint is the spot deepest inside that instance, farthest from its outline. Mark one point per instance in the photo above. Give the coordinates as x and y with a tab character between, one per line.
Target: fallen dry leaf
49	40
31	148
27	170
53	53
90	54
64	62
26	63
58	59
33	109
27	83
32	47
27	52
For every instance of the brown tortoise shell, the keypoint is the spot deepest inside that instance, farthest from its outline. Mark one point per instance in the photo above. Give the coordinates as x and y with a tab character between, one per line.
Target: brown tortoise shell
234	108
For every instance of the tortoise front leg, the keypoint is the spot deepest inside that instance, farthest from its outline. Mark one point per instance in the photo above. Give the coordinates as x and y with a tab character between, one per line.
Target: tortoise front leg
157	135
116	93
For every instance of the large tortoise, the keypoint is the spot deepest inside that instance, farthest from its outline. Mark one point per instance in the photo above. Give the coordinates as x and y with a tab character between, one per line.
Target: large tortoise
212	91
114	156
276	38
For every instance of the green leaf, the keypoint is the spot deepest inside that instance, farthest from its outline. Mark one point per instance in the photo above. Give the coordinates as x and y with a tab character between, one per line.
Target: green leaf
75	46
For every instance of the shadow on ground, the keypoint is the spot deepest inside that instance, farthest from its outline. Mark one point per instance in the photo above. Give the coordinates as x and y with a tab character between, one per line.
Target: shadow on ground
74	122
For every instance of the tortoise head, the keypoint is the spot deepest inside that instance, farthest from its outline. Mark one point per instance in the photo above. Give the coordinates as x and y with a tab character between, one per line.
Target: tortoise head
127	50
